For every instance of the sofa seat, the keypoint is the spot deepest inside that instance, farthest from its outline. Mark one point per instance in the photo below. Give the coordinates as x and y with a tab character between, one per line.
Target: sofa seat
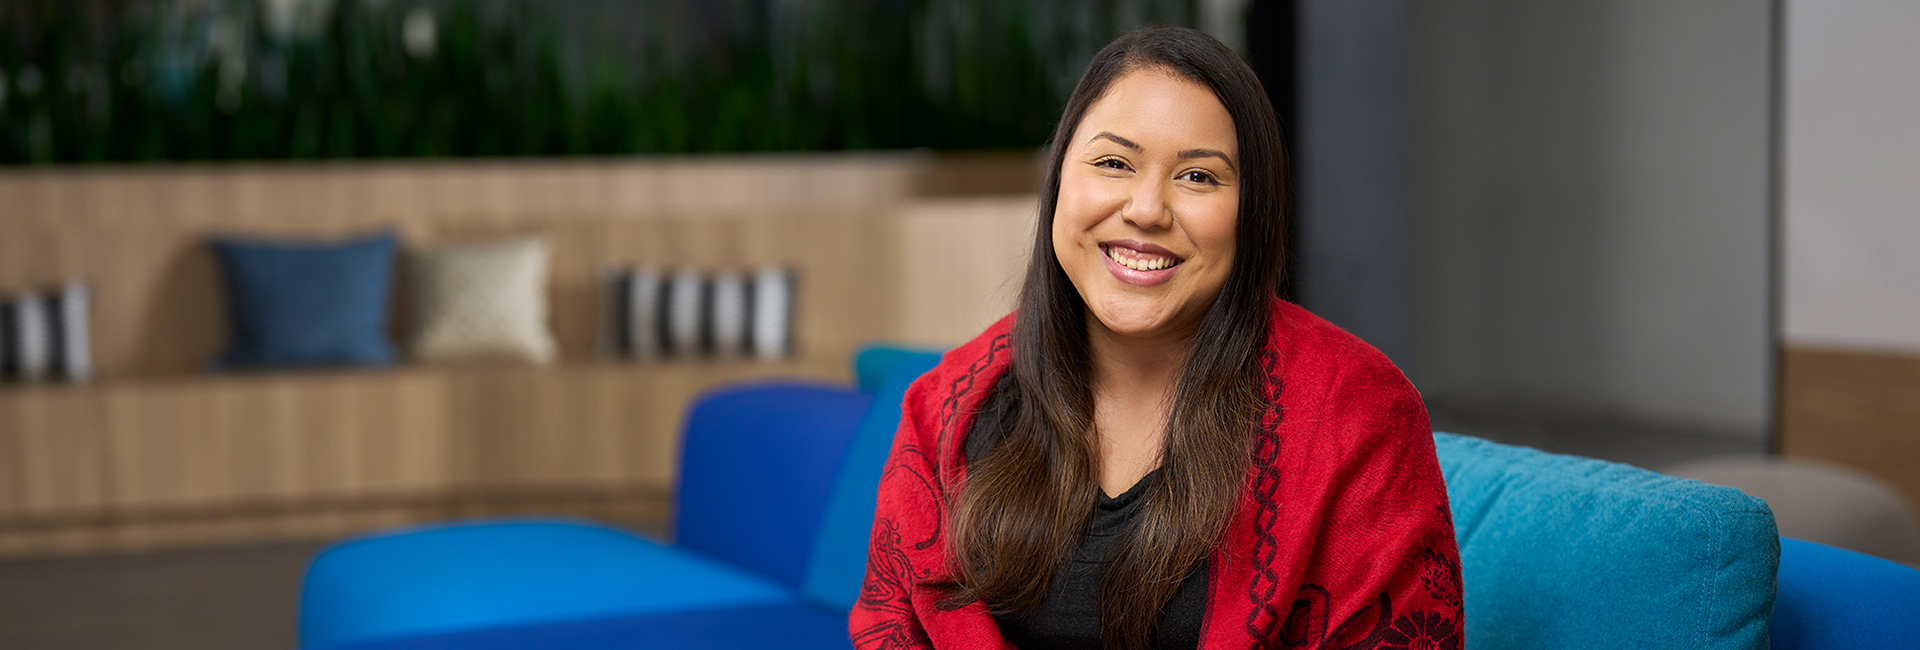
437	580
789	626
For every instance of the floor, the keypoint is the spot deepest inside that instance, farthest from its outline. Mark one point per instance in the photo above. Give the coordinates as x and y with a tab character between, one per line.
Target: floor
246	598
199	600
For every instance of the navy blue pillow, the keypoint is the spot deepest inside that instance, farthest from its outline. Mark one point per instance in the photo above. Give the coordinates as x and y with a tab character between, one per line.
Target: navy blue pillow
306	304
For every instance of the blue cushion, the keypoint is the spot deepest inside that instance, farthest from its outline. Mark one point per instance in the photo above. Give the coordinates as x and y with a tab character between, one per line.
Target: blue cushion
876	361
308	304
1835	598
756	465
507	573
839	561
788	627
1568	552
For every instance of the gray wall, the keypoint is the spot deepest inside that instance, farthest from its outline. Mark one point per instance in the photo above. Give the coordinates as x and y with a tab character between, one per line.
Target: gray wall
1355	239
1589	200
1852	176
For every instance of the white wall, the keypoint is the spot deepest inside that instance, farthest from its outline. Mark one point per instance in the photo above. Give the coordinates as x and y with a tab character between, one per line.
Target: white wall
1590	200
1851	220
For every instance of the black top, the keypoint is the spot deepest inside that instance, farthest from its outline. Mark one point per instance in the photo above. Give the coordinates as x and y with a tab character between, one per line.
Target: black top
1069	617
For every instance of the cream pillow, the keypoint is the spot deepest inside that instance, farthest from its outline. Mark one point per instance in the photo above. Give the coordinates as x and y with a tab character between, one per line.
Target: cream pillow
481	302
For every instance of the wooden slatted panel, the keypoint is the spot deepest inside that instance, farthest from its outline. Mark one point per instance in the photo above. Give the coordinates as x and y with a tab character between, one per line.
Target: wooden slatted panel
138	235
969	257
159	453
1857	408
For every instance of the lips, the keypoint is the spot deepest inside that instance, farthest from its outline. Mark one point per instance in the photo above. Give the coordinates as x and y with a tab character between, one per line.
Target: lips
1140	263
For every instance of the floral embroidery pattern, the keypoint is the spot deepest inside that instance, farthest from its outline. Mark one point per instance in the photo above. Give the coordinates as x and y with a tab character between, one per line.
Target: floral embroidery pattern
1441	578
1422	631
1306	625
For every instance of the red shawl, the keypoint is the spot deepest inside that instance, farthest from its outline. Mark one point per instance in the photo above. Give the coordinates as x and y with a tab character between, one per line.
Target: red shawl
1342	538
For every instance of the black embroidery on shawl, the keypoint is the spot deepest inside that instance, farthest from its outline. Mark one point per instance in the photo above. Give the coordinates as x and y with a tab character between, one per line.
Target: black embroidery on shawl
889	590
925	481
961	387
1423	630
1306	624
1308	618
1266	513
1441	578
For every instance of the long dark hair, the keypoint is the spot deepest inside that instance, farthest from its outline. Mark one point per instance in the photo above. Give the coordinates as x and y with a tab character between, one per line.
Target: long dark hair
1028	500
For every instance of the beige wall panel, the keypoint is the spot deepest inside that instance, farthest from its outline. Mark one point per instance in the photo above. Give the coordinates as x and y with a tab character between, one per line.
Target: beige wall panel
1857	408
844	295
961	264
331	417
644	431
502	423
202	450
166	316
62	461
412	416
148	461
13	459
263	450
593	397
573	275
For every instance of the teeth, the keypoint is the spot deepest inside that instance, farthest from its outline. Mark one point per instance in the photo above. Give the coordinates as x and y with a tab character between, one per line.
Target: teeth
1133	260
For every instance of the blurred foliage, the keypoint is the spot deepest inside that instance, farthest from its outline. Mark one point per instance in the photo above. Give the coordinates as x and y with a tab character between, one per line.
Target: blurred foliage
106	80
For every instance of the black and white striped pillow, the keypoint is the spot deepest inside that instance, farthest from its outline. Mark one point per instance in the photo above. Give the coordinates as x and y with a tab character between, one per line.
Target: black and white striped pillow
46	335
770	315
687	313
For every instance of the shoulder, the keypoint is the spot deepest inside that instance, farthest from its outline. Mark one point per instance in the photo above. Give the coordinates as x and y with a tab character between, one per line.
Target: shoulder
1314	359
954	387
1339	397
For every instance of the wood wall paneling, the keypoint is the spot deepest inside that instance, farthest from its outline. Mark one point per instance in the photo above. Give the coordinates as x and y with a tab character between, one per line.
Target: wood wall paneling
1859	408
961	264
160	453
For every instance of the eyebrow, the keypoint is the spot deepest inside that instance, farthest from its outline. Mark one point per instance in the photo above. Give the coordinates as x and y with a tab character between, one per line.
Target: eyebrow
1188	154
1110	136
1204	153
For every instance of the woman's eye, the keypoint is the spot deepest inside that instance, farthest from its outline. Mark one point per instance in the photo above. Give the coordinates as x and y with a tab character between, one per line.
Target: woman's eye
1111	163
1197	176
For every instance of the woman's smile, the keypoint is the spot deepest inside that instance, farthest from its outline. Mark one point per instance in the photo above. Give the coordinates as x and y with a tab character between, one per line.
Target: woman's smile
1139	263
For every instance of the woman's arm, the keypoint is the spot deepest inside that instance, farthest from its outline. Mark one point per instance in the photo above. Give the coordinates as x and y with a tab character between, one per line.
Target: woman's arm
906	527
1386	571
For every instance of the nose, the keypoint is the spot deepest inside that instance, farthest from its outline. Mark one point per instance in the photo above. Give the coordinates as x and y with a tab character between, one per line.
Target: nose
1147	206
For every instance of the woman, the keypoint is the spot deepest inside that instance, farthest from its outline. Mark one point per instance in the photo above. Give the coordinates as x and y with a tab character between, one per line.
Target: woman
1154	450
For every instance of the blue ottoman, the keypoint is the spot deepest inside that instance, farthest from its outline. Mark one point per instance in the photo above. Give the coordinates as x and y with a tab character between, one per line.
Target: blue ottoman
508	573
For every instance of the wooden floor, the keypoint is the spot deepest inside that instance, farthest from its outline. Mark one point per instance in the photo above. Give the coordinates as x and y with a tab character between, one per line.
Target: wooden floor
201	600
242	598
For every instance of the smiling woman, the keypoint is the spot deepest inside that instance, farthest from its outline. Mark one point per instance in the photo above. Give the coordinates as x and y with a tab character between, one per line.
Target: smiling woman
1161	146
1155	450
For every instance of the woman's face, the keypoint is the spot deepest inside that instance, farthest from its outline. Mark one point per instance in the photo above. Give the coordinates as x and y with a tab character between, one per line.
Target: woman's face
1149	196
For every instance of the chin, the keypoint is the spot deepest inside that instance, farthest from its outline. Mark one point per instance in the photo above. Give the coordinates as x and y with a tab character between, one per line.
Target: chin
1134	324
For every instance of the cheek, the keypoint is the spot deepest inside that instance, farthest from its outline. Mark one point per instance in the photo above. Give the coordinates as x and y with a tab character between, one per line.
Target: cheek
1075	213
1216	227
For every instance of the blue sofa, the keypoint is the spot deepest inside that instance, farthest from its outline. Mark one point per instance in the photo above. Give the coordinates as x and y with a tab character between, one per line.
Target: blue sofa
779	484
